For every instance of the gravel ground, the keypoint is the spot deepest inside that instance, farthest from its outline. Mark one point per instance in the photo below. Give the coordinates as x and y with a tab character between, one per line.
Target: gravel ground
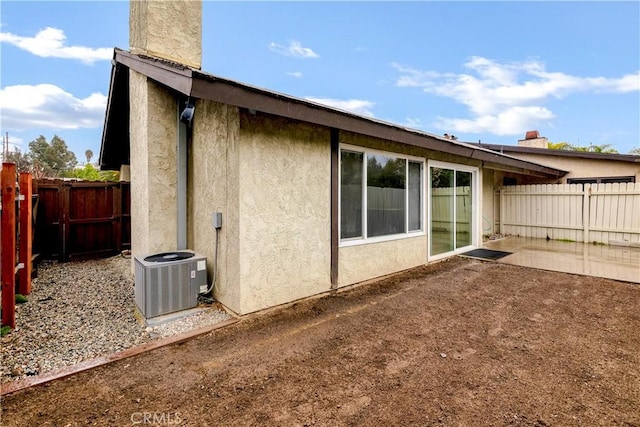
82	310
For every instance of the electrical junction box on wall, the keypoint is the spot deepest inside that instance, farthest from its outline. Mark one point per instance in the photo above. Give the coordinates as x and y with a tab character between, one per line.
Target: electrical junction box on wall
168	282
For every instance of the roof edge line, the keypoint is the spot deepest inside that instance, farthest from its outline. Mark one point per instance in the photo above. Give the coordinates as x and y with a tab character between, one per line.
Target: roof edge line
175	76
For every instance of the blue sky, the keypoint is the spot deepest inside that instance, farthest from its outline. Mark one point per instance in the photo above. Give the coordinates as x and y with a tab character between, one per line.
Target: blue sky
486	71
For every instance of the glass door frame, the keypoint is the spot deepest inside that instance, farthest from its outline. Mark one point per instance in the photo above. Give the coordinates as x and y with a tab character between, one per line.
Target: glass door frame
475	207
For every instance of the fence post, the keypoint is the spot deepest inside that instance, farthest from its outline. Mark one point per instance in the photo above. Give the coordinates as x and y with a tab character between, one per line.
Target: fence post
26	233
503	210
117	215
586	217
8	179
64	232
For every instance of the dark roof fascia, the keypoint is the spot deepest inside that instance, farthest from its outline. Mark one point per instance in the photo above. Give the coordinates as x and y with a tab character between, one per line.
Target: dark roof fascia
560	153
175	76
107	115
207	86
116	123
203	85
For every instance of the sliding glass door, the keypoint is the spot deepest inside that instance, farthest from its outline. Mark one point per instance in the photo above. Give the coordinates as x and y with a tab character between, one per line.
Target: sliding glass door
452	200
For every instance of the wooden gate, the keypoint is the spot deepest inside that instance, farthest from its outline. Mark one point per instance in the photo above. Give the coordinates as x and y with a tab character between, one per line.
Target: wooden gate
79	219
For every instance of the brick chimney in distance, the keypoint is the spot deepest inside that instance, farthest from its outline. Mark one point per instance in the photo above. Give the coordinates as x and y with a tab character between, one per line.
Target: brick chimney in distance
167	29
533	139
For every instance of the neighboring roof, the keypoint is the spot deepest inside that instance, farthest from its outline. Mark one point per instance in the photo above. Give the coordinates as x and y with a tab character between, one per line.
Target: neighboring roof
560	153
197	84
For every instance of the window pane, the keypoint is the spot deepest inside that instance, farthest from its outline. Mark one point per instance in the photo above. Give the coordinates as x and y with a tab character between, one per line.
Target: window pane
442	182
463	209
350	194
415	196
386	194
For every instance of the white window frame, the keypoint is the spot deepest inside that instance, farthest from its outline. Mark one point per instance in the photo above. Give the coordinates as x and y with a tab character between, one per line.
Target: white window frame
475	200
407	234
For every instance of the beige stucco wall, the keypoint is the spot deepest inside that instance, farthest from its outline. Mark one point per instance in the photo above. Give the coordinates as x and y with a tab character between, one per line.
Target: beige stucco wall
363	262
392	147
270	177
583	168
153	167
285	245
489	216
125	173
214	187
169	29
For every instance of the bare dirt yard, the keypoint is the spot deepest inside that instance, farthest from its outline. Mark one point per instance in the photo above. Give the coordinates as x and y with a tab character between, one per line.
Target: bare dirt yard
462	342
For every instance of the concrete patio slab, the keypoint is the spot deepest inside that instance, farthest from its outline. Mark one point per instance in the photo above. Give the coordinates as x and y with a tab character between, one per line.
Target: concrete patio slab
611	262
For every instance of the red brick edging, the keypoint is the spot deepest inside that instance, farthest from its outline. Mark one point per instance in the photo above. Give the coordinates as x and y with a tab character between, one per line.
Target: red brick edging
12	387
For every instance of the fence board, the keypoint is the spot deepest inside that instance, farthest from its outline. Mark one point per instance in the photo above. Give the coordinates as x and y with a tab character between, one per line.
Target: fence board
26	233
590	212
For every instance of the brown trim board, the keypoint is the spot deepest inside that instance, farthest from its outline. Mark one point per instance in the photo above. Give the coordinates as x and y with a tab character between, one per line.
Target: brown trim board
335	178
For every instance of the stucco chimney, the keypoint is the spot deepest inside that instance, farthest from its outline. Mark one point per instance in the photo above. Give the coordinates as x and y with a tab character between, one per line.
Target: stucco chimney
167	29
533	139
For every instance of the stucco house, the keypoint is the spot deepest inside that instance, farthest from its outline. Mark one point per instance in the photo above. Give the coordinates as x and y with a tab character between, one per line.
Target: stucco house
312	198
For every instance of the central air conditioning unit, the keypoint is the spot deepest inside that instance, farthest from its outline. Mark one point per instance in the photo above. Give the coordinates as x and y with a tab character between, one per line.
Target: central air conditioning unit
168	282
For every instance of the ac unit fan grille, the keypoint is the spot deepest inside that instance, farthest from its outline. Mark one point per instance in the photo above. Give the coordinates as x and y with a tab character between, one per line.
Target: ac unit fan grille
170	285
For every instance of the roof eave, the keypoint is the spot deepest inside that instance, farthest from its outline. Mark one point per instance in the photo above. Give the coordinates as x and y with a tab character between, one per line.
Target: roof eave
174	76
197	84
228	92
629	158
114	148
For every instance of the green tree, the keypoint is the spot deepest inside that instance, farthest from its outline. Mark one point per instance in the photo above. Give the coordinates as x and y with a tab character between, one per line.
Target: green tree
604	148
558	146
21	160
635	151
90	173
112	176
86	173
89	155
51	160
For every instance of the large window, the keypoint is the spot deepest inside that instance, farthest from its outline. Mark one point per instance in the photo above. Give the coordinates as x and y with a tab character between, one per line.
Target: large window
381	194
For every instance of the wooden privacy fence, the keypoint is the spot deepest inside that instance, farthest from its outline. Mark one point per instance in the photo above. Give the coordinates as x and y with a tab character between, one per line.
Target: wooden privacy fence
602	213
82	219
442	208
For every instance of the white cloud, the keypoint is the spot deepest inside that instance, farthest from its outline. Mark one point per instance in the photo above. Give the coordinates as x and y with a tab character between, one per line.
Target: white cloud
506	98
296	74
294	49
413	123
511	121
356	106
50	43
47	106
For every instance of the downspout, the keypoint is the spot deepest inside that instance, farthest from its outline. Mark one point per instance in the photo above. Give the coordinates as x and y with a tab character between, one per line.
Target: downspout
184	121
